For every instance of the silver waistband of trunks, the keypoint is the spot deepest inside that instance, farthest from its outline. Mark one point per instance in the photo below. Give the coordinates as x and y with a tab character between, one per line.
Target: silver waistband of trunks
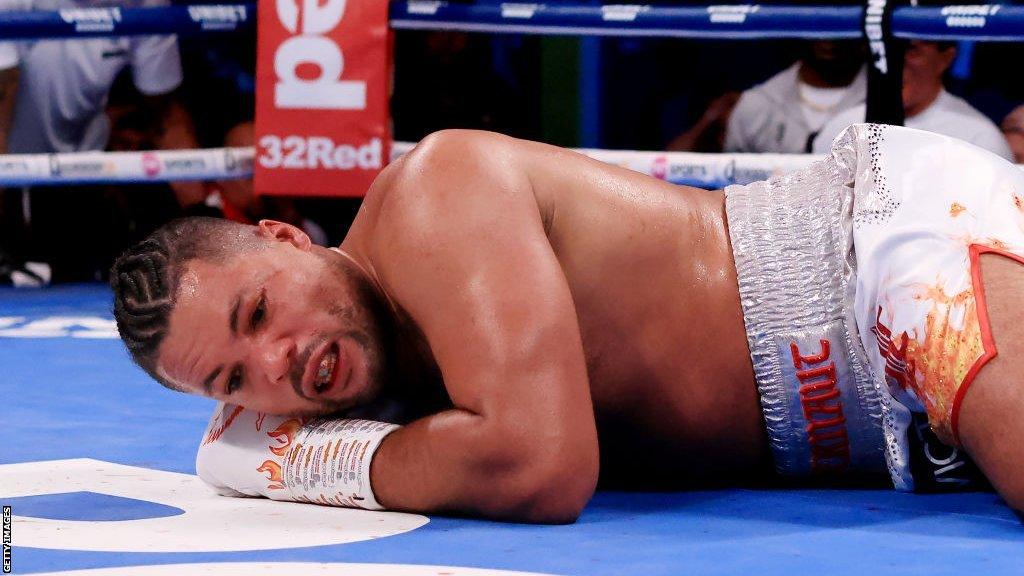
793	245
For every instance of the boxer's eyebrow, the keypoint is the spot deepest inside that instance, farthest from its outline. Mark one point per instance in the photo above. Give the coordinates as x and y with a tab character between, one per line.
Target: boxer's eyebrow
208	383
234	315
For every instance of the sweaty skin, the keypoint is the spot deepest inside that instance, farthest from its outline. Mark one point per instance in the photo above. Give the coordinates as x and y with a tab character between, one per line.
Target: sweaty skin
581	316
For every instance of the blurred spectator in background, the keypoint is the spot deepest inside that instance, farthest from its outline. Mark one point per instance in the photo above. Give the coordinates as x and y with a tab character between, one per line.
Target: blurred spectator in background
139	209
63	85
927	104
450	80
1013	131
784	114
708	134
60	90
9	75
12	265
237	199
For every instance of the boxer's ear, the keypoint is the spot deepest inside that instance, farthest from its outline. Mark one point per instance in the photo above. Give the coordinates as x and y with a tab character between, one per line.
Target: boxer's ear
284	232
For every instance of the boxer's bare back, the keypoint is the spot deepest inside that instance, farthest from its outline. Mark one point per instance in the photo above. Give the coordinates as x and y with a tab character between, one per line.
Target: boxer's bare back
568	306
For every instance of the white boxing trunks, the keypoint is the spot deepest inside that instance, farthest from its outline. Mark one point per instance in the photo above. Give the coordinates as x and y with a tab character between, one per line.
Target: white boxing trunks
861	291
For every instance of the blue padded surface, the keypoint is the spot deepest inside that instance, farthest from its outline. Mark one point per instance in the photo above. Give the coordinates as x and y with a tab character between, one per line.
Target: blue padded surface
88	507
71	397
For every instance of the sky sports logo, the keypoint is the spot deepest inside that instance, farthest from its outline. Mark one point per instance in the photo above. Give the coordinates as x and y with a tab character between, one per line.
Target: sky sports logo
7	539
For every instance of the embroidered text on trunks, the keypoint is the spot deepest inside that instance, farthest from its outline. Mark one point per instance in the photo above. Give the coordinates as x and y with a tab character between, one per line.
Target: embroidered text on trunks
823	409
897	367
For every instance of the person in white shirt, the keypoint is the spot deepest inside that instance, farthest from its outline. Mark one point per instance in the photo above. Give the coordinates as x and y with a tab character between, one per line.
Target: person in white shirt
1013	131
64	83
927	104
53	98
783	114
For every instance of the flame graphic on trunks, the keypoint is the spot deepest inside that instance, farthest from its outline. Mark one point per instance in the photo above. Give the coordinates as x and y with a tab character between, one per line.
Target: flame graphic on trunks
933	360
284	435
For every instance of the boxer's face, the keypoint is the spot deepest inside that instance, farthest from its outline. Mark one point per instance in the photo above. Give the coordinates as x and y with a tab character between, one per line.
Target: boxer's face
284	330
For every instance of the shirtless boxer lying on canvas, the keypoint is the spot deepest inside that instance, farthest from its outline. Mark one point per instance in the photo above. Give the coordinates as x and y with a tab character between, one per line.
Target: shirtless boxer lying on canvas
506	320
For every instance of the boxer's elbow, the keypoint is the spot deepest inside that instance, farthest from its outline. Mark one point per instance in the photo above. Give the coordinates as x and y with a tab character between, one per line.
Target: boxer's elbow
1014	499
561	497
551	485
535	499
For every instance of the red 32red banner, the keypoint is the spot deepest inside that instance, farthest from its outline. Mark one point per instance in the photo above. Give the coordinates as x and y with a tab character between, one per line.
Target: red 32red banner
321	96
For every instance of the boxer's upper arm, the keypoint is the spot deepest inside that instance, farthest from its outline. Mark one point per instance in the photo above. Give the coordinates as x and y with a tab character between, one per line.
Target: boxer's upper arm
460	245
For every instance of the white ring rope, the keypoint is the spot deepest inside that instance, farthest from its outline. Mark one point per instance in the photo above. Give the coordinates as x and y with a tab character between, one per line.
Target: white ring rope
691	168
710	170
125	167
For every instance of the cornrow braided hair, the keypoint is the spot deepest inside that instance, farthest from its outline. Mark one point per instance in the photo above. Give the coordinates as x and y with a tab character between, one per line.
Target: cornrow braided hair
145	280
143	298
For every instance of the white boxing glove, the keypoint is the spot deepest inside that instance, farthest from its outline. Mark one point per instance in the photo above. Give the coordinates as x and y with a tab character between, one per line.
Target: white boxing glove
320	460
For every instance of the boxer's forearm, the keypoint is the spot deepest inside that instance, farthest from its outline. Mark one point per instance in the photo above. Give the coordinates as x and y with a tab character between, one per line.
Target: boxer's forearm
457	461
